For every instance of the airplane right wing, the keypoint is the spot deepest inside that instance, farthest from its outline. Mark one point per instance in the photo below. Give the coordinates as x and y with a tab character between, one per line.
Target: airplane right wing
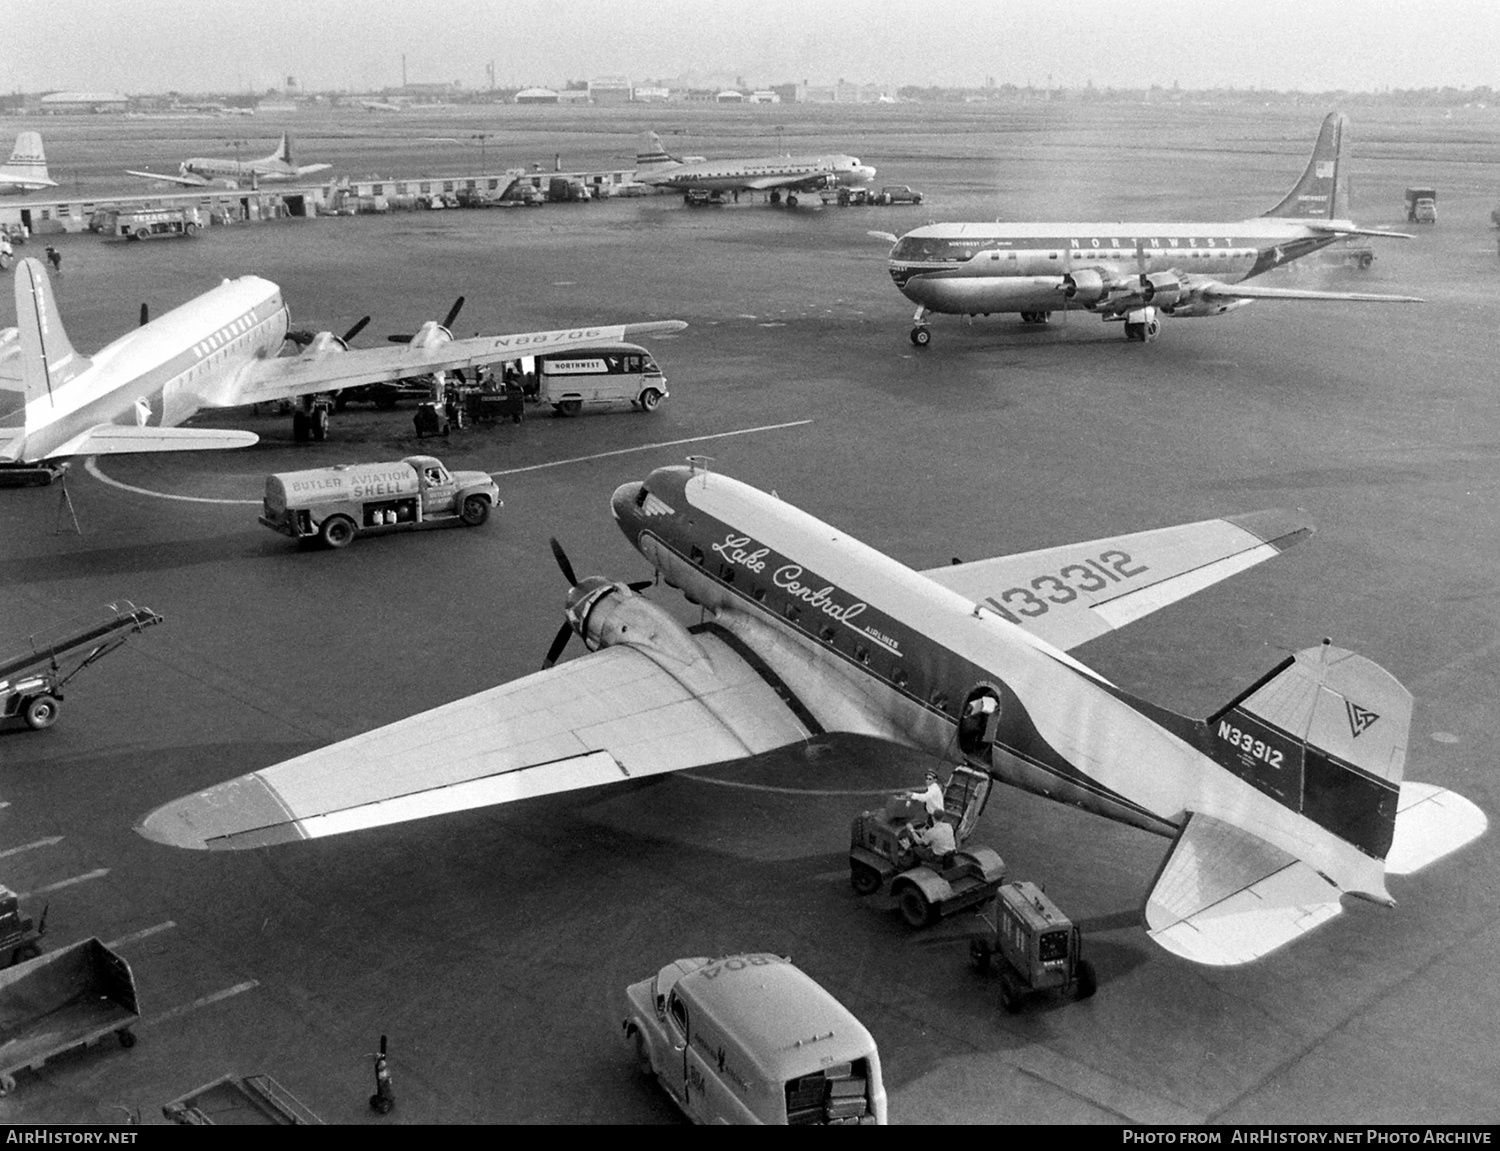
620	713
1214	290
116	439
185	181
288	376
1072	594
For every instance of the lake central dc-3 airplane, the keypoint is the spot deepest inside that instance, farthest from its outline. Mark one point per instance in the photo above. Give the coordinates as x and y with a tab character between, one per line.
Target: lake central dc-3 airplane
201	171
1285	799
777	175
219	350
1132	272
26	170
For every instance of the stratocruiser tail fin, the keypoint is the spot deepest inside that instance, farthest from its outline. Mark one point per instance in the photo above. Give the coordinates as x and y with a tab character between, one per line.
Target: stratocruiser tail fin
1323	191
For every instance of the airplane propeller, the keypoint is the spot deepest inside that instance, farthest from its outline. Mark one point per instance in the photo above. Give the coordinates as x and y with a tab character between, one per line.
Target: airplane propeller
447	323
302	337
579	591
145	314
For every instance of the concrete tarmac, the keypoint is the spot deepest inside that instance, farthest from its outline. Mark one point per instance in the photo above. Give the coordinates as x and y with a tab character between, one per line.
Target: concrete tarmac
493	946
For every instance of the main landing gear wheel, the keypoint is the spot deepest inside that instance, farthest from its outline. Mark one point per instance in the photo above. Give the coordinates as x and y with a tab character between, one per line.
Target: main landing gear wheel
318	419
40	712
921	336
791	200
1036	317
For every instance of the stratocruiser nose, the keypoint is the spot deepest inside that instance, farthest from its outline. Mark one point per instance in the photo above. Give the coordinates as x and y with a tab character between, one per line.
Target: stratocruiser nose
622	505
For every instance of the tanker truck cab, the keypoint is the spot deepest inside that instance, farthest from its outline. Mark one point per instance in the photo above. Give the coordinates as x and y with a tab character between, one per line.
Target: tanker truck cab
613	374
753	1039
336	504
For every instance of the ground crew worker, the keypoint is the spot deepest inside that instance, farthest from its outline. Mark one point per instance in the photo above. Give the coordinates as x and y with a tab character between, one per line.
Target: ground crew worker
935	843
54	257
384	1098
931	795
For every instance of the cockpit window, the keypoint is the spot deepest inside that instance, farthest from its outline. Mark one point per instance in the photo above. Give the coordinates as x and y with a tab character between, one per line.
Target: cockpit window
640	497
935	249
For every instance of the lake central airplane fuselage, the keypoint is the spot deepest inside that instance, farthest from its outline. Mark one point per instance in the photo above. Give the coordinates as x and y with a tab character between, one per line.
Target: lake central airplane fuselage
912	655
160	374
978	268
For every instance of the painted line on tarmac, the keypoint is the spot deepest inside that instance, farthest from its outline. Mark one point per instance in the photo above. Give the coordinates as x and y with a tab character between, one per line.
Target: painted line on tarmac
201	1001
99	873
92	468
780	790
91	465
48	842
652	447
143	933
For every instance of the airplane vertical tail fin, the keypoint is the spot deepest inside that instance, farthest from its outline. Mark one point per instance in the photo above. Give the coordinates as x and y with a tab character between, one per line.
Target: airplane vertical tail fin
48	360
1323	191
283	151
27	160
652	154
1321	742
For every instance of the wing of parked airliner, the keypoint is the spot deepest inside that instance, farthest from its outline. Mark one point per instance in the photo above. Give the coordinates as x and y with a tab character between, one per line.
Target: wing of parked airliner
1214	290
1072	594
288	376
620	713
170	177
798	180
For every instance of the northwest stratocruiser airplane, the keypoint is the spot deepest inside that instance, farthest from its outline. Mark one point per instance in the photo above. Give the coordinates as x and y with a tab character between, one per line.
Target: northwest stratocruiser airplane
1135	272
218	350
773	174
201	171
1286	798
26	170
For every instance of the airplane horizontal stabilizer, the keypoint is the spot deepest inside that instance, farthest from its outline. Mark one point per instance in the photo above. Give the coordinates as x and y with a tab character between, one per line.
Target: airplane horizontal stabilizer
611	716
1431	822
1225	897
1352	230
1218	291
1072	594
117	439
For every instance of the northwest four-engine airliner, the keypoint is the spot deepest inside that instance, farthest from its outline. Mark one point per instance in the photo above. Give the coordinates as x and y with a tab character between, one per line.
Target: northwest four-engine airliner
1285	799
1131	271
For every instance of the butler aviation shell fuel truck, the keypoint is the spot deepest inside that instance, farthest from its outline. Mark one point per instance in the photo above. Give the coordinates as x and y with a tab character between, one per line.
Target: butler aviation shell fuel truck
338	503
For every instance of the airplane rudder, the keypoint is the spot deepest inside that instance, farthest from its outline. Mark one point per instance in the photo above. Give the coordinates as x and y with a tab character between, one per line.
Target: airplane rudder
47	355
1325	734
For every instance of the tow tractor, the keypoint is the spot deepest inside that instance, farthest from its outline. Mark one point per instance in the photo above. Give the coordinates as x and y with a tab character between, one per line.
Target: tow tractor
880	852
1034	945
19	935
31	683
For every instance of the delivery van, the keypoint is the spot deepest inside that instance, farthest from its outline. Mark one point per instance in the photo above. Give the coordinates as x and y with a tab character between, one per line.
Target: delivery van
753	1039
612	374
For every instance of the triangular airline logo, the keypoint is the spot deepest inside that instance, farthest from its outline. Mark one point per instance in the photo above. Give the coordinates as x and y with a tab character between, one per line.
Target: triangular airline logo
1360	718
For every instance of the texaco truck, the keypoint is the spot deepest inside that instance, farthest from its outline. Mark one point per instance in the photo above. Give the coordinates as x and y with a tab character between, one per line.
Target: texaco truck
338	503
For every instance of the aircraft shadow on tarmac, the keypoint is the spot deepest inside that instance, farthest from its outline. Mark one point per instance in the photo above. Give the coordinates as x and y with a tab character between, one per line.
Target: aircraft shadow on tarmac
147	557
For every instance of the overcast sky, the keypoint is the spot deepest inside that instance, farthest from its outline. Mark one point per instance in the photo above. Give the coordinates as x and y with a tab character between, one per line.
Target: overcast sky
244	45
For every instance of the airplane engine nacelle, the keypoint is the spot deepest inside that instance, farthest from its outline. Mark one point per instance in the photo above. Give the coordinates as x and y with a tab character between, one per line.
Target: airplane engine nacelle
324	344
620	616
1193	308
1162	289
430	335
1086	286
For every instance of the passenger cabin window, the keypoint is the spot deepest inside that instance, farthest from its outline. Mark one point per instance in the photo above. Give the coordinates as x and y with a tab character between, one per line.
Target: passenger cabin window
899	677
827	632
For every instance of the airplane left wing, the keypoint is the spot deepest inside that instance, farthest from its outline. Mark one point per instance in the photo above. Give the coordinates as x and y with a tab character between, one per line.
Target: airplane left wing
1072	594
186	181
309	169
1214	290
288	376
799	181
620	713
116	439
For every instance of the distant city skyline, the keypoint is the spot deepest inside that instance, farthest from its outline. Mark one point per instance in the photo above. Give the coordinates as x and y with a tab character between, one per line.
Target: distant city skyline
149	46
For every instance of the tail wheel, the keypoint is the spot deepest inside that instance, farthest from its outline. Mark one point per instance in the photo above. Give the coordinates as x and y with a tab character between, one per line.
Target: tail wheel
337	531
475	511
914	906
650	398
921	336
41	712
